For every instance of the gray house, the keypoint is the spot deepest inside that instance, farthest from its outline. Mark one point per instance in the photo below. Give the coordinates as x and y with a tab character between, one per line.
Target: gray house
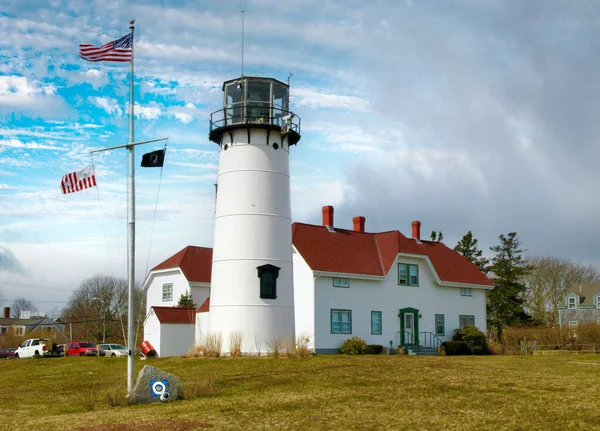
581	305
22	327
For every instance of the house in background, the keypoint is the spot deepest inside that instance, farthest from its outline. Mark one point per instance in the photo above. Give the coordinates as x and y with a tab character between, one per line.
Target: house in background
188	270
383	287
581	305
23	326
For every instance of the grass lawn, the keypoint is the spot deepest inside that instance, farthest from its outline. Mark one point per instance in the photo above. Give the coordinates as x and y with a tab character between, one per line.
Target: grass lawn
322	392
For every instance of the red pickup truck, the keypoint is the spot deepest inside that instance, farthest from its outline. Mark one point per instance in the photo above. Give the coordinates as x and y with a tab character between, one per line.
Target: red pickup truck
81	348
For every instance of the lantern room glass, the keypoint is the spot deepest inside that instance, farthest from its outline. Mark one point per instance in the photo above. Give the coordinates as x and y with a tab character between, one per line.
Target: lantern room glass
255	100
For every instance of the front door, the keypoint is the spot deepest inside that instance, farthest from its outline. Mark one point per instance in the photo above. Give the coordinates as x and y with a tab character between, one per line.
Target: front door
409	328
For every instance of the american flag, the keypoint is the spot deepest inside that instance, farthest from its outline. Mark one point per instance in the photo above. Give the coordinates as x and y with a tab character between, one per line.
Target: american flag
117	50
78	180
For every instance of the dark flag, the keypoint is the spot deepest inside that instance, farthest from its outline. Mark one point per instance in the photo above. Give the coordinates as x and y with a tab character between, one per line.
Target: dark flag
155	159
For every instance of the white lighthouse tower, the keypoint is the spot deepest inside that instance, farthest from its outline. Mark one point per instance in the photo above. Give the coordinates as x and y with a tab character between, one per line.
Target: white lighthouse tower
252	293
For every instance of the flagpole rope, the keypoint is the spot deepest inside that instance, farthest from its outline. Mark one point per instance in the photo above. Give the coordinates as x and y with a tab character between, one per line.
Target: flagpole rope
152	232
110	265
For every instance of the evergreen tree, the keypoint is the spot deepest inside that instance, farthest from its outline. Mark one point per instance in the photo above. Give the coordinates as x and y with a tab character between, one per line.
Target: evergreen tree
467	247
186	300
433	235
440	237
505	301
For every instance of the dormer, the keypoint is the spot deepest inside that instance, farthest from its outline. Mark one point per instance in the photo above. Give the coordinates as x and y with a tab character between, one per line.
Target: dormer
572	301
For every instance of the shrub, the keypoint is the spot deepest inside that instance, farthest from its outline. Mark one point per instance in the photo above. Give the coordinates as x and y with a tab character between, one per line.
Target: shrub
354	346
455	348
375	349
235	344
475	339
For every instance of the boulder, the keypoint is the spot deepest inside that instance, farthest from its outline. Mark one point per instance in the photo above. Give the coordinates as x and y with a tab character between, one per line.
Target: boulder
154	386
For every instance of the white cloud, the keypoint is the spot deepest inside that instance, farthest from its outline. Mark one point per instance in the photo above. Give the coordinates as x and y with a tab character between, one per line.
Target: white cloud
320	99
150	111
110	105
16	143
19	94
186	113
196	165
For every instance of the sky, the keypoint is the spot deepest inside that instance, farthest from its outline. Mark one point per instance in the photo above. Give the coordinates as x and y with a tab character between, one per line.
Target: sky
477	116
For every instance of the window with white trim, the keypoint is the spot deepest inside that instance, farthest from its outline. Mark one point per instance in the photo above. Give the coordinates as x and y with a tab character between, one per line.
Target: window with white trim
572	302
572	323
341	321
408	275
466	291
598	301
376	322
341	282
167	292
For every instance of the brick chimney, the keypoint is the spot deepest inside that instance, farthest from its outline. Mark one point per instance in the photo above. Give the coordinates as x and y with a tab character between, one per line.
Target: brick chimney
7	312
359	223
416	230
328	215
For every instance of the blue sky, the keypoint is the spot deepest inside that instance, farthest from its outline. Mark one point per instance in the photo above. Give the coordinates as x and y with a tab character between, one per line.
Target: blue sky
465	115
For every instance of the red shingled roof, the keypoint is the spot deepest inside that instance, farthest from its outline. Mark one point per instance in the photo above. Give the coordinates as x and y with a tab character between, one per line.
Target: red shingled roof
175	314
194	262
204	307
353	252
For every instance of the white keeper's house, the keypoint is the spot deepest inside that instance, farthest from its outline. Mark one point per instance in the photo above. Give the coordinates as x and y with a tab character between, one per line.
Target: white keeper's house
383	287
267	279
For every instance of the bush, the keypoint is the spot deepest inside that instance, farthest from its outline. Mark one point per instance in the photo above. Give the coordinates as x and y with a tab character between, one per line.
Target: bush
375	349
475	339
455	348
354	346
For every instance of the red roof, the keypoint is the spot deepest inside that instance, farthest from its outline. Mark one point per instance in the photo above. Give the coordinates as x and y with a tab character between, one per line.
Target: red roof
175	314
194	262
352	252
204	307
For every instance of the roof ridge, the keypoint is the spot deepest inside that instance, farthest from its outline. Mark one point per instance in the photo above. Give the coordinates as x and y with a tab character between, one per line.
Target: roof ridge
379	255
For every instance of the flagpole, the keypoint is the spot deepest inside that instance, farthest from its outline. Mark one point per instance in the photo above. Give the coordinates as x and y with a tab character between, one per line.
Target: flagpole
131	231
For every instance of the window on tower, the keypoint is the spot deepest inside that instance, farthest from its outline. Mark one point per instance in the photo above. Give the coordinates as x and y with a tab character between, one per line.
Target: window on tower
268	281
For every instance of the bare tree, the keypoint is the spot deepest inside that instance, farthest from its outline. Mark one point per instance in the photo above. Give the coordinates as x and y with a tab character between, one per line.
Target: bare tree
22	305
98	308
548	283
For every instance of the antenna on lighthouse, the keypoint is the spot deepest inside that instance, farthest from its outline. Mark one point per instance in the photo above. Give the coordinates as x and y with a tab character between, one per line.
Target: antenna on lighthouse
243	11
290	78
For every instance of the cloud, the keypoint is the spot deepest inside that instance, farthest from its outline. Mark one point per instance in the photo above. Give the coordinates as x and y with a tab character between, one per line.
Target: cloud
9	263
16	143
321	100
186	113
108	104
24	95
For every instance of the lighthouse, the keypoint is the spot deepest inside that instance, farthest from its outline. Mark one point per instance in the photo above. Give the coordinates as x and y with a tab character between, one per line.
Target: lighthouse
252	292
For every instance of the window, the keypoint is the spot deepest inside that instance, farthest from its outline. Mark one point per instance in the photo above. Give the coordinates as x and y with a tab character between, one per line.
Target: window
466	291
440	329
376	322
597	301
341	321
268	281
572	323
341	282
408	275
464	320
167	292
572	302
3	330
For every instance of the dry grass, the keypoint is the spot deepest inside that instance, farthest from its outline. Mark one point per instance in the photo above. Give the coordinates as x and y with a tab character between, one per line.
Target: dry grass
513	338
235	344
320	392
210	347
276	347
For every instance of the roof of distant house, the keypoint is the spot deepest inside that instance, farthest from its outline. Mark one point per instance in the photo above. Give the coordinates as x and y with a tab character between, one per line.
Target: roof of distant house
185	315
352	252
194	262
586	293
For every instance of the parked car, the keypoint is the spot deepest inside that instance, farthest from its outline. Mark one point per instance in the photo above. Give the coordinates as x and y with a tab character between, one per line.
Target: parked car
113	350
34	347
81	348
8	353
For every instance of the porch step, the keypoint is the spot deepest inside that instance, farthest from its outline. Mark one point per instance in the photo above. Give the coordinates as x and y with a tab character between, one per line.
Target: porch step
430	351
